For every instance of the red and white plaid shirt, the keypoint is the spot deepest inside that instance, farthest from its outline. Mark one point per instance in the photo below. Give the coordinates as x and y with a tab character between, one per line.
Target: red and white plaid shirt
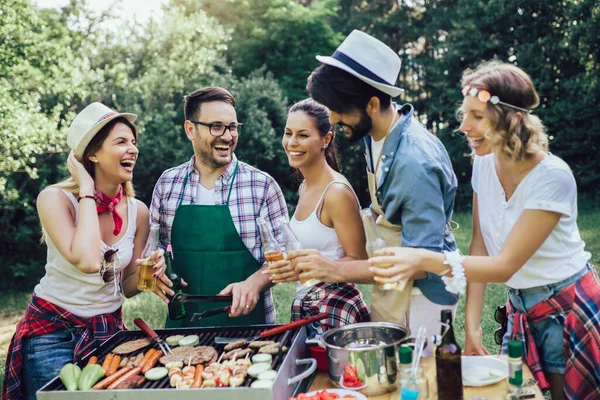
255	194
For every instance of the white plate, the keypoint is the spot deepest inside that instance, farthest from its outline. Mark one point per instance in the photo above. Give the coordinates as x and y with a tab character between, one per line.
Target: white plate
341	393
483	371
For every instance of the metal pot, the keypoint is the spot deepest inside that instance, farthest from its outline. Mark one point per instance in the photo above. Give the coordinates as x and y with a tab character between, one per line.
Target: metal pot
370	346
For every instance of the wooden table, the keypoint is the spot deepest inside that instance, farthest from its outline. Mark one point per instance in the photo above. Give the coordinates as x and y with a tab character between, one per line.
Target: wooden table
491	392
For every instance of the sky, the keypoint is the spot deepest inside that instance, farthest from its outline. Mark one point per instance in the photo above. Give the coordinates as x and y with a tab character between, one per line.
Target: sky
131	10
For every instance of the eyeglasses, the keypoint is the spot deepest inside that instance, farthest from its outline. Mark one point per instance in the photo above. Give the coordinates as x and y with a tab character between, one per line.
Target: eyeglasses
500	317
218	129
484	96
108	271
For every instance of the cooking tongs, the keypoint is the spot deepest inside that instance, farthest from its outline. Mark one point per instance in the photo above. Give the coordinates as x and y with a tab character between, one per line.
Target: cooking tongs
210	313
200	298
153	335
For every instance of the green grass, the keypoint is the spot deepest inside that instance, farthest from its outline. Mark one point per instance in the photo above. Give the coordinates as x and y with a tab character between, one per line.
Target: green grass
154	311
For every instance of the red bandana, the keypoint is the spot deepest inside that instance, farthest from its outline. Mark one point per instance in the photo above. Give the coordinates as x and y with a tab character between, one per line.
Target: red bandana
105	203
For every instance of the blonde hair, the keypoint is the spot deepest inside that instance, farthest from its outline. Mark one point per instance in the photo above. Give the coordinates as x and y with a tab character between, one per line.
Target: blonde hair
69	184
514	134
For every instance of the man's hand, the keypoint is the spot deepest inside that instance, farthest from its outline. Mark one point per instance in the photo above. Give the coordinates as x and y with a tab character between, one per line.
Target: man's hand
245	297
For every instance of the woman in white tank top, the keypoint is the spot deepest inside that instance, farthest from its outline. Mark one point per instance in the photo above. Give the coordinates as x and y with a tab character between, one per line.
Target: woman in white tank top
326	221
95	231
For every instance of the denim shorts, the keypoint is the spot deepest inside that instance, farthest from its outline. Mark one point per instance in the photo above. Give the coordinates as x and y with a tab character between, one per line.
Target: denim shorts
44	356
548	334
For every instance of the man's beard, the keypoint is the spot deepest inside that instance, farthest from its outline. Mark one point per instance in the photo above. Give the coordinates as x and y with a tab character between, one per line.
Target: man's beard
360	130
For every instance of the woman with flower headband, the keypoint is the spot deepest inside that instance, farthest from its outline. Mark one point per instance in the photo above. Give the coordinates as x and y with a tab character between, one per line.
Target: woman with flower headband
95	231
525	234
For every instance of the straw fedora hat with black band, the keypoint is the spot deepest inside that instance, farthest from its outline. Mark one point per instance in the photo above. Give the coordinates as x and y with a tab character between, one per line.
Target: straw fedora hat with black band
368	59
89	122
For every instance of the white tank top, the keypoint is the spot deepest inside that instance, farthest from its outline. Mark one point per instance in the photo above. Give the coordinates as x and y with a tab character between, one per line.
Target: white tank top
86	295
313	234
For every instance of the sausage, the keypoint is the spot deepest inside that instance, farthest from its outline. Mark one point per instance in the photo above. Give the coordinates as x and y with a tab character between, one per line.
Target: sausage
131	382
107	362
146	358
103	384
198	376
152	361
235	345
114	365
124	377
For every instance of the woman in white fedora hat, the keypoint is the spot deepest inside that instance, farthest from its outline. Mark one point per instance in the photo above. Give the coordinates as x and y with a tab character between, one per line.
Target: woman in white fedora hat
95	231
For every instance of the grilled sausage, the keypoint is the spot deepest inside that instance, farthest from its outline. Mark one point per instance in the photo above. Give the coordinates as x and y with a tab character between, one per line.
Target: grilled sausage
262	343
238	344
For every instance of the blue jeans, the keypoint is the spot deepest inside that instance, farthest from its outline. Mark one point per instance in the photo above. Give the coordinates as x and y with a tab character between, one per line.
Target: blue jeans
548	334
44	356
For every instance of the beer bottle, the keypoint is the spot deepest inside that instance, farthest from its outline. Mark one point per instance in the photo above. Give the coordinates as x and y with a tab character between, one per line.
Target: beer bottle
270	247
292	242
176	305
374	241
448	366
147	281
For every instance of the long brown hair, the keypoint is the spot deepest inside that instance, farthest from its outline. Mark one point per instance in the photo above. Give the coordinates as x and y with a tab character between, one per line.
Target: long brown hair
513	133
70	185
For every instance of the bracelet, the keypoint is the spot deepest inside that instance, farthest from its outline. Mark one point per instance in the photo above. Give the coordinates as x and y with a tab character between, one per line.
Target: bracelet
86	196
458	283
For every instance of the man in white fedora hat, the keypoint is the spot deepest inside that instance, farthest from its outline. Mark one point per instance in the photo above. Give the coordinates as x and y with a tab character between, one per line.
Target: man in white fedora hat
411	181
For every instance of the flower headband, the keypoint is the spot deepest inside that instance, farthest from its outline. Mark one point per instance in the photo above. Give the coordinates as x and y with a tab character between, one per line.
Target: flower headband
484	96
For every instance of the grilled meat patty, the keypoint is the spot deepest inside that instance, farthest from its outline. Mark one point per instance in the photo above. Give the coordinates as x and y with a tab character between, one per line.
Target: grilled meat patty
131	346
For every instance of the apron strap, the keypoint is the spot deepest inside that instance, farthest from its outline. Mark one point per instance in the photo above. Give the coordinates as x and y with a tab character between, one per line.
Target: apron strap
183	190
232	181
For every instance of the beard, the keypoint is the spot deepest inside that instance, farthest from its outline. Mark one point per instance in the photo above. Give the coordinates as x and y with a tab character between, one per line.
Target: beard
207	157
360	130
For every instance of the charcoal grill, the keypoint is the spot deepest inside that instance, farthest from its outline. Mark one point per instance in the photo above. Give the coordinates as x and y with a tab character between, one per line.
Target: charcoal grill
294	369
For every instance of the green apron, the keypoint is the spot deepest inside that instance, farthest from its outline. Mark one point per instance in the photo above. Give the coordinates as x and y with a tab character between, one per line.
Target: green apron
209	254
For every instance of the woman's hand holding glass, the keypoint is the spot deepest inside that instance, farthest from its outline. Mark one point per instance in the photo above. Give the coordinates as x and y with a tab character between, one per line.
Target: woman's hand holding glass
163	283
282	271
395	264
311	264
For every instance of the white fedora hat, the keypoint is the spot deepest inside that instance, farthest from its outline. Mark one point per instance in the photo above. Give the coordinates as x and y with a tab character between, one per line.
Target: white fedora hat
88	122
368	59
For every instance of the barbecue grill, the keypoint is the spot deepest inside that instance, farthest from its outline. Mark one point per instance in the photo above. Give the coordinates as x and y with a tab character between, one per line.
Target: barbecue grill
294	369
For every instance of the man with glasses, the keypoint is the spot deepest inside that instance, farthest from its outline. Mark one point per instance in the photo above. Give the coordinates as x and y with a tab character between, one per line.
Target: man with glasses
410	176
207	210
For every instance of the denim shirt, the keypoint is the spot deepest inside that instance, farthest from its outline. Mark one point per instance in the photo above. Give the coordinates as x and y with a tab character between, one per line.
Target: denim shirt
416	190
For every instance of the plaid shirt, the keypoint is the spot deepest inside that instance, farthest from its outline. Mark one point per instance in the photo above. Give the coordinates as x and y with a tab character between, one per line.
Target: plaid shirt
43	317
577	307
255	194
342	301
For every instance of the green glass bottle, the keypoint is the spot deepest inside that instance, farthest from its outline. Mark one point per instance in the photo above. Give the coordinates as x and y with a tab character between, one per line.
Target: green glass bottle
176	306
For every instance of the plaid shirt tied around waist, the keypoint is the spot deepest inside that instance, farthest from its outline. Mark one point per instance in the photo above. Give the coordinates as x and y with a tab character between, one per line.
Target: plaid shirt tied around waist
43	317
342	301
577	307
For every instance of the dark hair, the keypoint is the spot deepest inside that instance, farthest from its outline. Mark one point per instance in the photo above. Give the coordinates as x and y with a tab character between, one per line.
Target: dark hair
320	114
98	140
341	91
194	100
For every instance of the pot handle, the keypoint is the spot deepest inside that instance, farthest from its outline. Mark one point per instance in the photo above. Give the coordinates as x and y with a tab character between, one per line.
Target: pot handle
312	368
315	341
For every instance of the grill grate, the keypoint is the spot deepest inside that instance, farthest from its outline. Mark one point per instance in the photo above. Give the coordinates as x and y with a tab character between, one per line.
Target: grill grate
206	335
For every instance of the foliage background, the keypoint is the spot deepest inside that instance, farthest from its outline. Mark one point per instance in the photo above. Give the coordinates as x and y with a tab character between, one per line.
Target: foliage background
53	62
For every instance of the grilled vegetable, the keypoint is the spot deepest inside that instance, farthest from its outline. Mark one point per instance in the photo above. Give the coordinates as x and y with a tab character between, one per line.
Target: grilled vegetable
198	376
156	374
114	365
191	340
174	340
261	384
107	361
89	376
69	375
262	358
267	375
256	369
93	360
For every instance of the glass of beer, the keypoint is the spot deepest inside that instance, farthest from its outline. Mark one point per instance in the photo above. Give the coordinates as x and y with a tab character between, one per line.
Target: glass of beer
147	282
